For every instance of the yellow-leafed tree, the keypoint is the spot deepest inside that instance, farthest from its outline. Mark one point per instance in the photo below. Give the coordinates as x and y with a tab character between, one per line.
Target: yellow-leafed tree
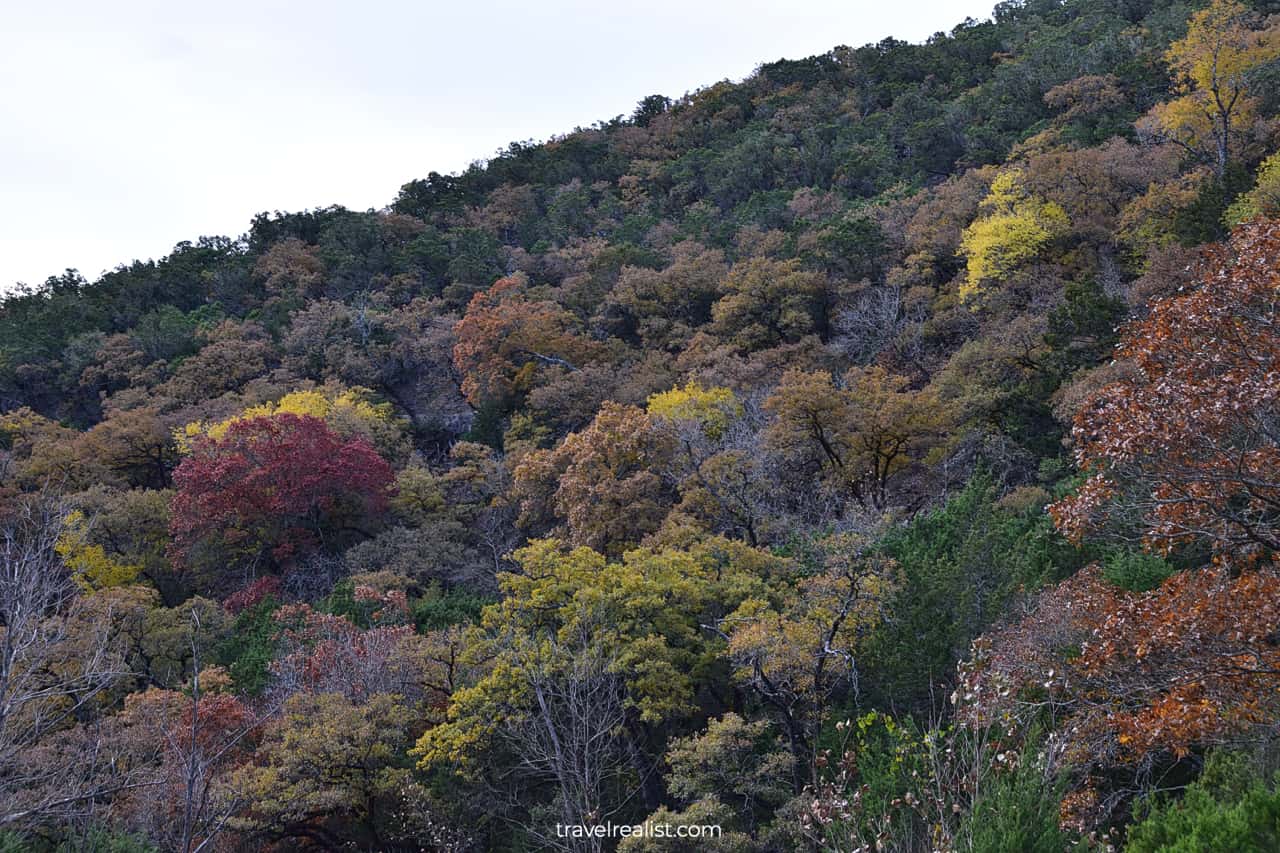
1213	67
1014	229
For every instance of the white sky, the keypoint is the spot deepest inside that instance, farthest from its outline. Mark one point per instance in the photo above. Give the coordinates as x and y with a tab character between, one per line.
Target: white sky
128	126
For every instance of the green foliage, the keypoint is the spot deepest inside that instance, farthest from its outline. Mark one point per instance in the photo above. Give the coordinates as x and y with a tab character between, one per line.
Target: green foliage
1204	220
601	657
1082	330
487	428
1135	570
341	601
13	842
167	333
960	564
1018	812
741	764
366	784
250	647
768	302
853	246
785	269
891	758
1263	199
439	609
98	839
891	779
108	841
568	607
1230	808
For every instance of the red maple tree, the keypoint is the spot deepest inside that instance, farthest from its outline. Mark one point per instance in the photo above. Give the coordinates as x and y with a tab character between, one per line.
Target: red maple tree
274	486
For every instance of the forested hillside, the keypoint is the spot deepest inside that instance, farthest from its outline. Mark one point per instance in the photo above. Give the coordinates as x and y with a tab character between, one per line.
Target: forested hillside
881	452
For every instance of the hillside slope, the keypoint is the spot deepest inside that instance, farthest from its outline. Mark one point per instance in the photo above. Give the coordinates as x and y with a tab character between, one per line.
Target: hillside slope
679	467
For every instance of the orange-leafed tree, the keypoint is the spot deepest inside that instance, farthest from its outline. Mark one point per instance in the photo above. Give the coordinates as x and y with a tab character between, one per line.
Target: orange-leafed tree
858	433
1187	446
1136	680
505	338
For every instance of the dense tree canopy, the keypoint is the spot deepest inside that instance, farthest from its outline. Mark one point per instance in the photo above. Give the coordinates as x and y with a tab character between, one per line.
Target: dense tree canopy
273	488
879	452
1185	446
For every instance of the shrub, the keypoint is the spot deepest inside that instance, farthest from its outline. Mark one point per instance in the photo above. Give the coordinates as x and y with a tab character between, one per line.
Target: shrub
1230	808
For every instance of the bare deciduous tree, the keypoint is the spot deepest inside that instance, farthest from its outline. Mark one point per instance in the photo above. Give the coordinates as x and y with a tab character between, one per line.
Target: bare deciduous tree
56	660
874	319
573	737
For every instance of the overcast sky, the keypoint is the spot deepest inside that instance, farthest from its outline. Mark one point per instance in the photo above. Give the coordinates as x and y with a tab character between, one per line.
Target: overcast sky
128	126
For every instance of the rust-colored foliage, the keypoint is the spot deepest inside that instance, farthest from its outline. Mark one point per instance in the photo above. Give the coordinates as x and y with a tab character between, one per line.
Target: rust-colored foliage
505	337
185	748
1139	677
330	653
169	717
602	487
1187	446
1192	661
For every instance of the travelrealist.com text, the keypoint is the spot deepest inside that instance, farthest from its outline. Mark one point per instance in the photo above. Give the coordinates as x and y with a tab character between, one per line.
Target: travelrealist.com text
637	830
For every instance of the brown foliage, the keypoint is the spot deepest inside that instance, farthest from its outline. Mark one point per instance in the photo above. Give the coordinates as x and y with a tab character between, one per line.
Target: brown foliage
603	484
1187	448
505	338
1134	679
